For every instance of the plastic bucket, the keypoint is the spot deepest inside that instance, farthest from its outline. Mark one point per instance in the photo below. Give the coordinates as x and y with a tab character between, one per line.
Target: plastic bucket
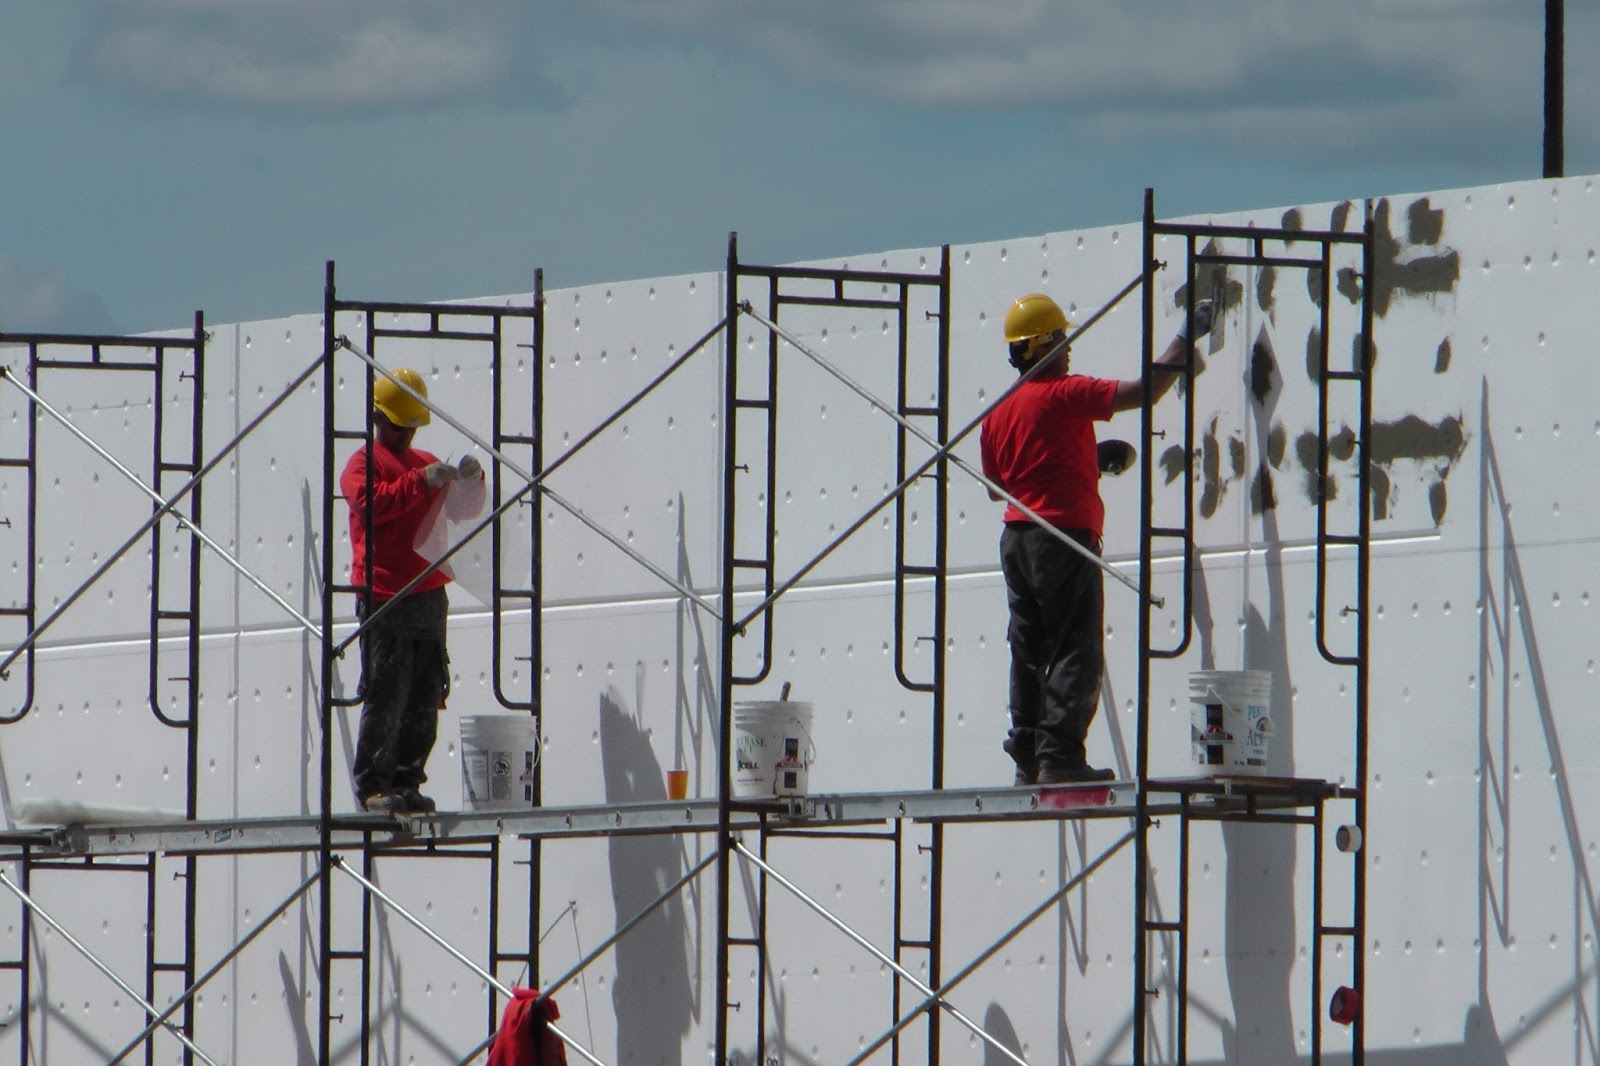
498	754
1229	723
772	748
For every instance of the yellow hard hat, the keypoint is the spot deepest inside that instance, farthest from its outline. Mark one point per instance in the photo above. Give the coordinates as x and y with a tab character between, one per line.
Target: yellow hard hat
1034	315
397	405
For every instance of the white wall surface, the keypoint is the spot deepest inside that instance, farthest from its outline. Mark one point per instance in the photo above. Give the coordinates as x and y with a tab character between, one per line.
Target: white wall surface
1481	850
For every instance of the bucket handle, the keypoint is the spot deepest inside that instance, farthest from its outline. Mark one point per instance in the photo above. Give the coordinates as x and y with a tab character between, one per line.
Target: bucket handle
811	745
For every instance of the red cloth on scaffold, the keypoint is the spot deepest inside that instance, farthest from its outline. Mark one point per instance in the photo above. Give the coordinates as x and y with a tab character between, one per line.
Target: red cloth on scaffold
524	1037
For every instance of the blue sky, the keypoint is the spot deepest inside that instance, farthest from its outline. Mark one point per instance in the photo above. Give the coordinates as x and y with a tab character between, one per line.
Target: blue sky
163	156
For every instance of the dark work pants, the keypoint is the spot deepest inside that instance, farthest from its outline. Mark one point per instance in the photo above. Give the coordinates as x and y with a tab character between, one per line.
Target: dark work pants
1056	634
403	677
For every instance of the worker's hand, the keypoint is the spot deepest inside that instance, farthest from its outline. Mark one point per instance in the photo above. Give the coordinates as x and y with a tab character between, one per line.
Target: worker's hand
469	469
438	474
1204	314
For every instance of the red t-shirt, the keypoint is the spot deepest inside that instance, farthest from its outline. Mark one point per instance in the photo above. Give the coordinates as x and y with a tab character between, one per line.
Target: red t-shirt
1039	445
401	500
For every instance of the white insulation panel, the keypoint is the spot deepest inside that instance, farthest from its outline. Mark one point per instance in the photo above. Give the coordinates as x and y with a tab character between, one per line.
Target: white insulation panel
1480	831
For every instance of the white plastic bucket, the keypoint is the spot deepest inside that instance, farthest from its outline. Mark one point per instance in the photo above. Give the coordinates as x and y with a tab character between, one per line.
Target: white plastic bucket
1229	721
772	748
498	754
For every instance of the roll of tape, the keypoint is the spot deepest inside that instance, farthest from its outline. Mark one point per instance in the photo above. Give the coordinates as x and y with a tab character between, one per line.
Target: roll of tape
1345	1005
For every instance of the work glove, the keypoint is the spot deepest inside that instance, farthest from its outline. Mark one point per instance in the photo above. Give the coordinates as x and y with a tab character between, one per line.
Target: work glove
1204	313
469	469
438	474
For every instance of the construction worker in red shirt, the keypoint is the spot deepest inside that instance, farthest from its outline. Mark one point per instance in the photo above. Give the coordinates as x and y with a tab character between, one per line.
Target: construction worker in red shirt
1039	445
404	662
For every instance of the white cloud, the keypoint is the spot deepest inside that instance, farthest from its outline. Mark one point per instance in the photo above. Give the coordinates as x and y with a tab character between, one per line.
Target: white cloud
1145	65
292	55
1358	72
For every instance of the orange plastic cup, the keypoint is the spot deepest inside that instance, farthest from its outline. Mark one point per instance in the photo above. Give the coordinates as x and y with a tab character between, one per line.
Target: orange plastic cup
677	784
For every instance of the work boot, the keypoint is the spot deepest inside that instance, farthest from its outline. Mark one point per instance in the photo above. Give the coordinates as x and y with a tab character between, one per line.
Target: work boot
388	801
1056	774
1025	776
417	803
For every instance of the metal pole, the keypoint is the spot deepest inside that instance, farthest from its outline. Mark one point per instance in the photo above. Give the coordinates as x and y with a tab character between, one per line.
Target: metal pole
102	967
325	854
941	655
1554	88
1358	961
1141	756
504	990
888	961
725	682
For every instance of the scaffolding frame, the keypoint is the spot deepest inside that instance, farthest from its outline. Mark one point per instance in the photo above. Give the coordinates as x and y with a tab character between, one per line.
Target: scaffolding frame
475	324
155	357
891	293
335	839
1299	793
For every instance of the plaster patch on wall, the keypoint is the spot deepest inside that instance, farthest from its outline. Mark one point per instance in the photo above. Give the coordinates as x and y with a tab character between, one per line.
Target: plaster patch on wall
1382	489
1436	446
1341	446
1314	355
1263	496
1424	224
1172	464
1397	268
1277	445
1214	481
1213	487
1263	490
1413	438
1263	367
1266	292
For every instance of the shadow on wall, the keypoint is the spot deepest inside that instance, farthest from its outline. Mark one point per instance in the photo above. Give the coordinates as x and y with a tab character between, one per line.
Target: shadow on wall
695	717
294	993
1260	933
997	1023
1506	630
652	994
